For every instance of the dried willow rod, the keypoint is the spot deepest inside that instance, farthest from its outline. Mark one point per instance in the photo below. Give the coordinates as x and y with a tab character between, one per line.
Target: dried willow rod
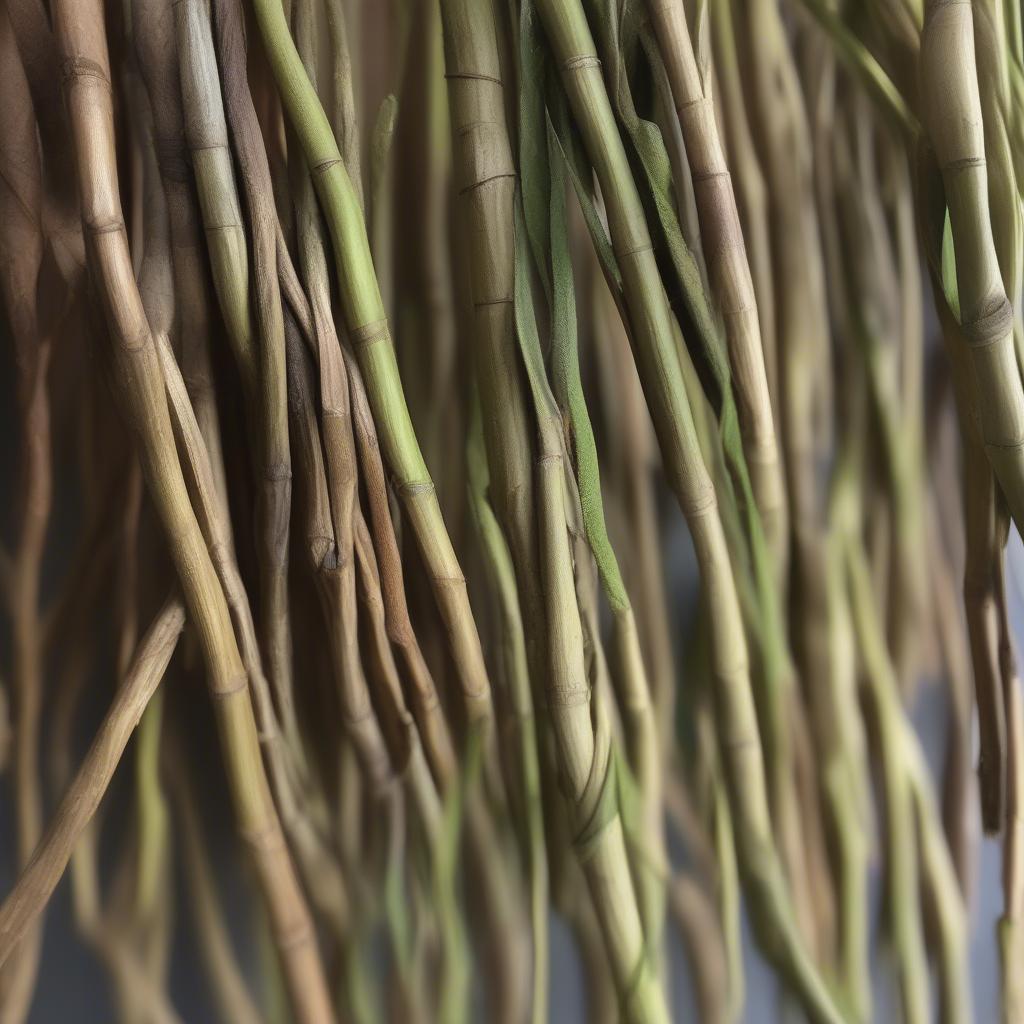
654	351
726	257
82	43
46	865
322	877
154	35
369	335
21	254
259	352
955	125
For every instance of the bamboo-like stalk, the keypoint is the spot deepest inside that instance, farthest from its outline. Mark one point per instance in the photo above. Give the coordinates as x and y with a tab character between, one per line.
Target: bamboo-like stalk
953	117
728	267
369	335
156	48
654	351
259	352
273	502
575	703
749	185
137	376
49	859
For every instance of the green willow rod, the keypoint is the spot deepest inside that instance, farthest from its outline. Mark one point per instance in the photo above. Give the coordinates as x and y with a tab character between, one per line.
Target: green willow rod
582	732
728	267
779	713
368	332
485	182
630	674
956	130
660	373
515	667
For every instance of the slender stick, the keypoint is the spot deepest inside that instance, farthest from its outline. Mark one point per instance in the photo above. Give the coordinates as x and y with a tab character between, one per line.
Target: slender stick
81	37
661	376
728	267
954	121
369	335
49	859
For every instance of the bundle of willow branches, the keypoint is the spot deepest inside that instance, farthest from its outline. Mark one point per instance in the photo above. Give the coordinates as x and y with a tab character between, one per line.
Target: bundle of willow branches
362	357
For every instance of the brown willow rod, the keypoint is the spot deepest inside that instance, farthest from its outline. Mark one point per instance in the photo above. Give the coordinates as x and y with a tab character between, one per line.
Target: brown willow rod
156	48
139	383
157	280
298	802
49	859
334	573
728	267
661	375
146	920
274	498
259	351
21	253
369	335
426	704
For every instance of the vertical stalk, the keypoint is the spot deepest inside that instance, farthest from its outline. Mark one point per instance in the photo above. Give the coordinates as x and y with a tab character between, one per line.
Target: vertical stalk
82	42
370	337
661	376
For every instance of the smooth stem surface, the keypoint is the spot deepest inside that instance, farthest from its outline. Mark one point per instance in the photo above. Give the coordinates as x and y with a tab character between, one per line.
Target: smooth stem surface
50	857
369	335
139	382
661	376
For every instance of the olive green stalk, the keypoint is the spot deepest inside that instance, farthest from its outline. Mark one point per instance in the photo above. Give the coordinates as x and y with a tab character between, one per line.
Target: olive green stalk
661	376
578	718
138	379
368	333
955	128
749	185
514	668
908	792
726	258
629	675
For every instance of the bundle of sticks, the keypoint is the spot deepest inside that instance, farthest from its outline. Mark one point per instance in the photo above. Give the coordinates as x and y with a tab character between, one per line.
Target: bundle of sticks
519	461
